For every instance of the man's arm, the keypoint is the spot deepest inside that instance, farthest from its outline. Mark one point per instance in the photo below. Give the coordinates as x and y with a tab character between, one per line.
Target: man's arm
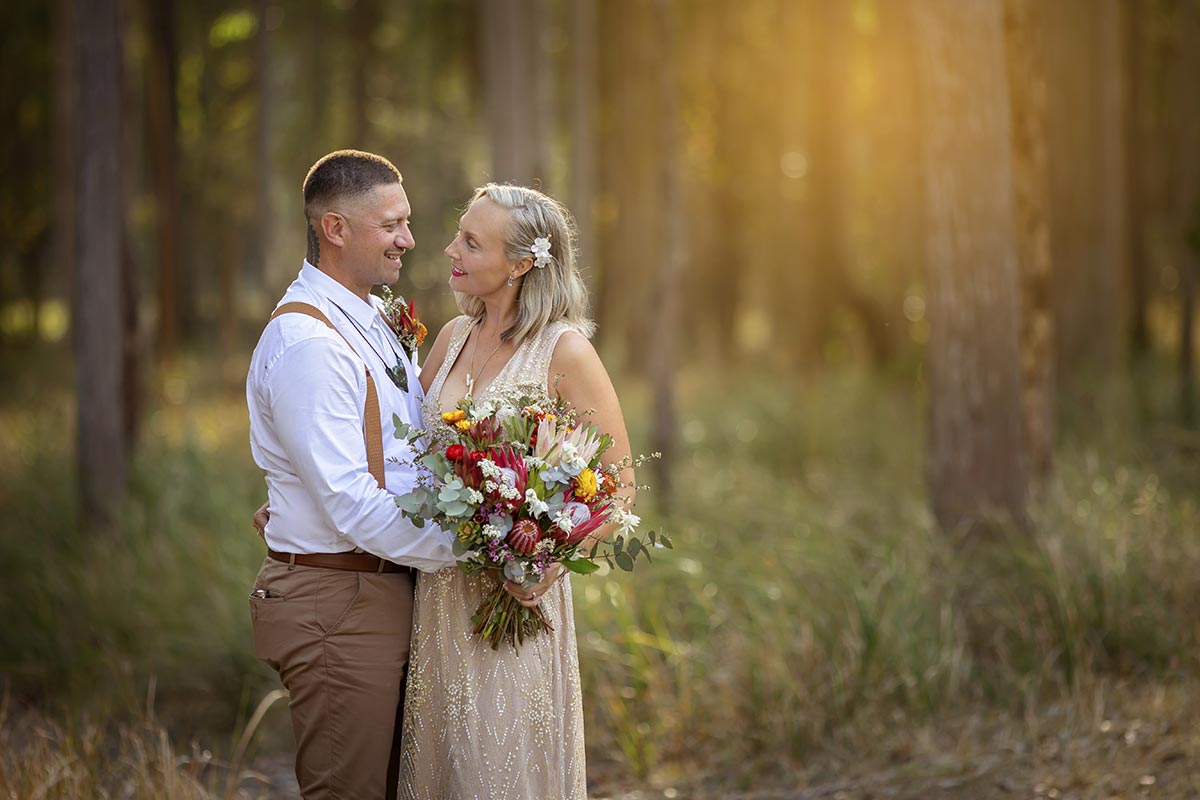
315	393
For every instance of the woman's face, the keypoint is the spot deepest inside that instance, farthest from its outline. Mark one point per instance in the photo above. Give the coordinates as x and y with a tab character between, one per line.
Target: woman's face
478	265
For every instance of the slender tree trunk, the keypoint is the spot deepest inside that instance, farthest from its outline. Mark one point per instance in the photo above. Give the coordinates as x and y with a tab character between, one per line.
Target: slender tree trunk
265	251
583	127
977	468
1031	195
1136	262
1185	224
1187	335
66	145
363	19
667	295
163	151
1113	229
509	40
1086	301
98	304
542	87
825	256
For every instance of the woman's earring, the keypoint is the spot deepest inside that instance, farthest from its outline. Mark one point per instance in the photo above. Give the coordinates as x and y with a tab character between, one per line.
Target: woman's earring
510	280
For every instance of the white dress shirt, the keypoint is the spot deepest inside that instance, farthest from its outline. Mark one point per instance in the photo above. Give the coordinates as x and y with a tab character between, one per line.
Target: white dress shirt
306	391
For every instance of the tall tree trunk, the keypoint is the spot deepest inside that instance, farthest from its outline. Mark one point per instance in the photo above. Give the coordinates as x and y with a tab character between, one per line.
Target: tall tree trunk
1031	196
665	344
1137	275
509	39
1113	231
1185	205
66	145
542	87
264	253
98	304
976	468
583	126
1084	290
832	287
825	254
163	152
794	329
363	19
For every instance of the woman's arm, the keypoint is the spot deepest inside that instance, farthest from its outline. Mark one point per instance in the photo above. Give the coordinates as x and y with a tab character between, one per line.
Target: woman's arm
583	381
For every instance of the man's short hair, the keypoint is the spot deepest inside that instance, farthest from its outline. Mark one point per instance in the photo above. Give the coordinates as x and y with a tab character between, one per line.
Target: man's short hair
346	174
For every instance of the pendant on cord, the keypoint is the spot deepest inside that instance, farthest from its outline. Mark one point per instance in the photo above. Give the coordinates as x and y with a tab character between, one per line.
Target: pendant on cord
399	376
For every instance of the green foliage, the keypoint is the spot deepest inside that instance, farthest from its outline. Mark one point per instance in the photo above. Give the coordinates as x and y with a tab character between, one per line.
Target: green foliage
807	595
94	620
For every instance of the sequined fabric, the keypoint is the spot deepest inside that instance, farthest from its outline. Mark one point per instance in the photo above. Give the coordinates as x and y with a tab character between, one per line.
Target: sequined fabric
483	724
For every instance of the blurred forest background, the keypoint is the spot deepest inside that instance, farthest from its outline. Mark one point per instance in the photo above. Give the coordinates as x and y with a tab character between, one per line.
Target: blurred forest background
904	290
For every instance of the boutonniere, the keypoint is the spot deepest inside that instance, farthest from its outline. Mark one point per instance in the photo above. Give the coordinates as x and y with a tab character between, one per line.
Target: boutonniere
405	322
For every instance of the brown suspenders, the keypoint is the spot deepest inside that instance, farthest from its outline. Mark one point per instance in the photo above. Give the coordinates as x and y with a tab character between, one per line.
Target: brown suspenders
372	429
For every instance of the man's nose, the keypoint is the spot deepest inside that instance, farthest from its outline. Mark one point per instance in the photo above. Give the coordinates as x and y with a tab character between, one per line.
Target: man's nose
405	239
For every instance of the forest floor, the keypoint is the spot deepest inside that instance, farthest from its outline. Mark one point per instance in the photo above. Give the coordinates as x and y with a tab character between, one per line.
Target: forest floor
1131	742
1128	742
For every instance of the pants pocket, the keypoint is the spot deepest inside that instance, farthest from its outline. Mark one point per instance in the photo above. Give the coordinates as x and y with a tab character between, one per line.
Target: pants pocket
268	625
337	593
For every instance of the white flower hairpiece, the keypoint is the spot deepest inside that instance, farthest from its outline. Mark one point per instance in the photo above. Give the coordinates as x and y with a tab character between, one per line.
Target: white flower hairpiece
541	252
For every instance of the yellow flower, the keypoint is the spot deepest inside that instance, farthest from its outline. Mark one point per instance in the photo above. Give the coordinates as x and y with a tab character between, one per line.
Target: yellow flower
451	417
585	485
463	425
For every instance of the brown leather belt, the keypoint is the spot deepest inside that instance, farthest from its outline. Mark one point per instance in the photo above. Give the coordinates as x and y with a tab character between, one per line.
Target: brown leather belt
355	562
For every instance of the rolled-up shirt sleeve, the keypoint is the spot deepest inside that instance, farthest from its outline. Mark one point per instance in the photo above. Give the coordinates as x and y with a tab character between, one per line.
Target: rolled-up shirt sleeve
315	393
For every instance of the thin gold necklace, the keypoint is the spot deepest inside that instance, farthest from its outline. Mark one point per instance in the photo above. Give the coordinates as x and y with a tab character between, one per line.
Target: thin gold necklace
471	371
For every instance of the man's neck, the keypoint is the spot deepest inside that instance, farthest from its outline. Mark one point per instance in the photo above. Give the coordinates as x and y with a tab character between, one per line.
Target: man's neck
331	268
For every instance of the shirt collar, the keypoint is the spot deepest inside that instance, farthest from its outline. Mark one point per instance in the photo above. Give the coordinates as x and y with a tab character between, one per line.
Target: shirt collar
361	312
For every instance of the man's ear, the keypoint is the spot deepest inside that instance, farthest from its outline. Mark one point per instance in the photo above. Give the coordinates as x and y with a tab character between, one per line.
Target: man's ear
333	225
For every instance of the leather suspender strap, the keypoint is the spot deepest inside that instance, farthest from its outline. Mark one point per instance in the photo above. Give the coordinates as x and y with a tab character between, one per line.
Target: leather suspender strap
372	428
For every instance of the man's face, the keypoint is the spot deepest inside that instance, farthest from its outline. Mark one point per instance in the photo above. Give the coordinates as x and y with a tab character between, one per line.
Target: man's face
378	235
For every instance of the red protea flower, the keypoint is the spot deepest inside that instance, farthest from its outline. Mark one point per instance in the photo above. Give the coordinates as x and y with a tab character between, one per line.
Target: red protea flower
524	536
455	452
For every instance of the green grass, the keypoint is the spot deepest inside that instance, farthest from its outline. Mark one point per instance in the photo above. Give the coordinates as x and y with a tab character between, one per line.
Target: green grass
808	600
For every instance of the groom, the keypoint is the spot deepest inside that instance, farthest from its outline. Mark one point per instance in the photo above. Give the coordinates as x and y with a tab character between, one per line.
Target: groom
326	377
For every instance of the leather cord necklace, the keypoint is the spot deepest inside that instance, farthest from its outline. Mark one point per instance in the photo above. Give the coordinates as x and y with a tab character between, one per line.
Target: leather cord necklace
397	373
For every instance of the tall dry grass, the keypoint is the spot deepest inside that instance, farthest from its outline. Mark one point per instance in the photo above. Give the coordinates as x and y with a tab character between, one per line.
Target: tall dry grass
809	600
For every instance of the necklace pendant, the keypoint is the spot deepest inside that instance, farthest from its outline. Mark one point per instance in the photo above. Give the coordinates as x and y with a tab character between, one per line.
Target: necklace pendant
399	376
470	386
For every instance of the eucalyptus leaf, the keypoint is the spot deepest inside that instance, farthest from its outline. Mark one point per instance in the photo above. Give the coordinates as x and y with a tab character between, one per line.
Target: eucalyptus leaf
625	561
581	566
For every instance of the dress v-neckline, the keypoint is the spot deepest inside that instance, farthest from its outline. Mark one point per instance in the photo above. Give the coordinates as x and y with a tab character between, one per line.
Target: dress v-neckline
449	363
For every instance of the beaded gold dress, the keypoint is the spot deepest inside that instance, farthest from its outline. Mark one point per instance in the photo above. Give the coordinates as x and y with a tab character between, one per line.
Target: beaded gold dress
483	724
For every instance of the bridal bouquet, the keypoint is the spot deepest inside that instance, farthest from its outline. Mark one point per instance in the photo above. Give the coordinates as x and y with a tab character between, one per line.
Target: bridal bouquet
523	488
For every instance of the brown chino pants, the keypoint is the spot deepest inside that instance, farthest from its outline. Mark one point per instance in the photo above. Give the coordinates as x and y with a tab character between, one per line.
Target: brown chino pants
339	641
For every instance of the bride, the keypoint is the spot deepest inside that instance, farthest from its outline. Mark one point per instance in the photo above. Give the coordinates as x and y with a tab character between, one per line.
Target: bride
483	723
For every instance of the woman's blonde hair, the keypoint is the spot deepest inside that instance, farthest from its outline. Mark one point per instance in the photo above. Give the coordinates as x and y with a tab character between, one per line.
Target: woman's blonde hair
550	293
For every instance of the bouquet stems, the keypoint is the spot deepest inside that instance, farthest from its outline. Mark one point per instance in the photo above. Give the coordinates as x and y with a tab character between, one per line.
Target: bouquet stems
500	618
